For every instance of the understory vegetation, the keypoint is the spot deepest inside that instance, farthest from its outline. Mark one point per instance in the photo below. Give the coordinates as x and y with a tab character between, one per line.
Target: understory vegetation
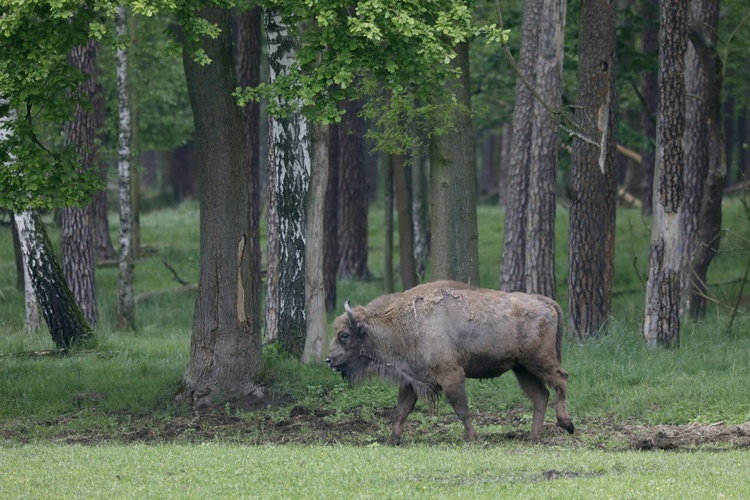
624	397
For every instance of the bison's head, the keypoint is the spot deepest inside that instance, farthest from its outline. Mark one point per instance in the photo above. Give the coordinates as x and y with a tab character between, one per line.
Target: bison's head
350	352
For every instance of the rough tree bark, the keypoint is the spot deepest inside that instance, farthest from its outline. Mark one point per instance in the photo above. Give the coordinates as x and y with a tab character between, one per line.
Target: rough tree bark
512	273
315	297
593	188
225	345
77	240
290	163
453	191
352	214
539	263
649	91
661	325
125	295
702	33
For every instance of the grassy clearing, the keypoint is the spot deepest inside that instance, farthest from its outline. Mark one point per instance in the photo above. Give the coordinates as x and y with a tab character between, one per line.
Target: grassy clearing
227	471
119	395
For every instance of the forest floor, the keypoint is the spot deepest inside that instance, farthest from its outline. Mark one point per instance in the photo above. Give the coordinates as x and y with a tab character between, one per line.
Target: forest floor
268	423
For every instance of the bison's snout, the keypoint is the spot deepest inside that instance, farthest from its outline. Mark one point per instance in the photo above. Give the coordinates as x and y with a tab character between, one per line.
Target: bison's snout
328	361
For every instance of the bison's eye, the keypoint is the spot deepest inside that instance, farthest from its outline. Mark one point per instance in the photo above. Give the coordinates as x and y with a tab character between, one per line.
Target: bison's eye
344	336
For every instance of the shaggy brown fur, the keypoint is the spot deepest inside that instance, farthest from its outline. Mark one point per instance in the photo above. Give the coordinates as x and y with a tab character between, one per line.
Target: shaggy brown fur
430	338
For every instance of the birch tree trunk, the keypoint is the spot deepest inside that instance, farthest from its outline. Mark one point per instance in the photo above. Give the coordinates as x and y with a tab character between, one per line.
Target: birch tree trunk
315	293
661	325
125	297
290	163
65	320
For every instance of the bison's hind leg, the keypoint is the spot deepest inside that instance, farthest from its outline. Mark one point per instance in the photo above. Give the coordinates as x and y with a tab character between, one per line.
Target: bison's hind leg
534	388
560	383
407	398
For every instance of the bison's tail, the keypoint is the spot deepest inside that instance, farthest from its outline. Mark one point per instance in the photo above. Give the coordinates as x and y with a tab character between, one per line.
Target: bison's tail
558	343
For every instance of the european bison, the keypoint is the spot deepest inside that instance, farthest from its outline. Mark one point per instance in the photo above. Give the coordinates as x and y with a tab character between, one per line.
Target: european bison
432	337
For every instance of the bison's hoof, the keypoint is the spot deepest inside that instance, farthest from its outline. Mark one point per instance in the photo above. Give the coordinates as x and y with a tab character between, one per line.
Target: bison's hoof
568	426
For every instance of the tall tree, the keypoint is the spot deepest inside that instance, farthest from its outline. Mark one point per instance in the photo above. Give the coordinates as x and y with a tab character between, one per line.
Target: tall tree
352	214
77	239
249	34
406	267
331	222
225	345
289	163
593	187
649	91
702	33
315	307
125	296
528	248
661	325
453	191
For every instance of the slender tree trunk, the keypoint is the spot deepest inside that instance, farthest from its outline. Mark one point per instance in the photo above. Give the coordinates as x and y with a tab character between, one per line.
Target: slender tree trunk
593	187
125	296
290	140
225	345
77	241
453	189
420	216
315	293
512	272
249	50
352	195
661	327
703	37
65	320
331	224
650	93
539	264
406	266
388	225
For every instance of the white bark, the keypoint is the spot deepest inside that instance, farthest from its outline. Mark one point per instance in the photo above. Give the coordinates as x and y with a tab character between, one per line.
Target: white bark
125	297
289	160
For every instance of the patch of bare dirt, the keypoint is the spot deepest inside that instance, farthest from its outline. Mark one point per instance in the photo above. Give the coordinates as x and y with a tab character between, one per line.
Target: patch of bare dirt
294	423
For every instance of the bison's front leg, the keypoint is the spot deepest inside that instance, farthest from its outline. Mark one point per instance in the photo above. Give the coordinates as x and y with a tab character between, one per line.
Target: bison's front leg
455	391
407	398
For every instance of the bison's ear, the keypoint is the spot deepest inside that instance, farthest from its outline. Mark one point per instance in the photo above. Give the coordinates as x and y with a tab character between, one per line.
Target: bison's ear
348	309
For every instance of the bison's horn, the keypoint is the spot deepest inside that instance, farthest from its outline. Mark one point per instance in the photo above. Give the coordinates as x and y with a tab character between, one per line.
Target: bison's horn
348	309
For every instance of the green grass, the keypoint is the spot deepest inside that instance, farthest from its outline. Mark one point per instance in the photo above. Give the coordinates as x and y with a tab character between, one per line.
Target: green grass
226	471
614	380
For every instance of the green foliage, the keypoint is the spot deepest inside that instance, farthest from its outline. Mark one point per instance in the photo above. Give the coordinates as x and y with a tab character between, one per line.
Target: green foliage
392	51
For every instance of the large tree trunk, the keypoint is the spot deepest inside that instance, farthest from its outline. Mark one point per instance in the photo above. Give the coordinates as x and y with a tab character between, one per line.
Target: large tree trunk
125	295
66	322
315	293
661	326
77	241
703	38
352	195
453	190
512	271
291	165
420	215
593	187
225	345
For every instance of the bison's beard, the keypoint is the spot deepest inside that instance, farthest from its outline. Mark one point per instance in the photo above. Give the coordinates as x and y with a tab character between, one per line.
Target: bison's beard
367	366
